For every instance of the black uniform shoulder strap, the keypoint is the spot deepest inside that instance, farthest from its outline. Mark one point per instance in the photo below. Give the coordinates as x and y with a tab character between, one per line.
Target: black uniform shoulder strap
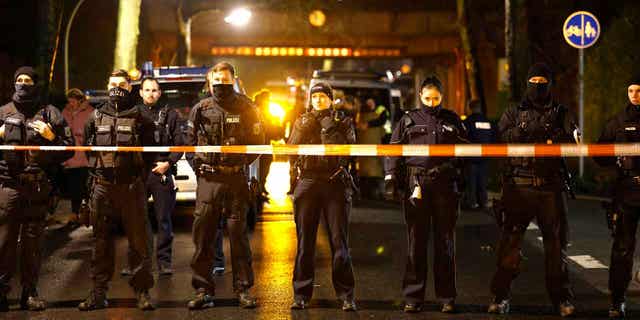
409	120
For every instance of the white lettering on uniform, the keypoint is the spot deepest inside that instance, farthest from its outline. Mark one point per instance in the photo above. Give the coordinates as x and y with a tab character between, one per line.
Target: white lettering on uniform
483	125
630	128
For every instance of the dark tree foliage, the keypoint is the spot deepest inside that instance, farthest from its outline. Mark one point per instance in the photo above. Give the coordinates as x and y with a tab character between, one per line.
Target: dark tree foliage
609	66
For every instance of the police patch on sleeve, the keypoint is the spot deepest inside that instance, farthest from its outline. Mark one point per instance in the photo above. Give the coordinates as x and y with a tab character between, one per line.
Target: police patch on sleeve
190	124
257	129
67	131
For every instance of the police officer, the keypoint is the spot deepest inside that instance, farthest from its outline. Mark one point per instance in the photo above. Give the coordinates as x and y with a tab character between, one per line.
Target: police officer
424	177
324	186
159	182
480	132
24	188
624	127
535	188
225	118
118	192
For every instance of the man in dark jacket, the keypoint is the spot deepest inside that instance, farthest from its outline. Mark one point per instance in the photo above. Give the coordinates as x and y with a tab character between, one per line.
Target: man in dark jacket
118	192
162	165
225	118
481	131
24	187
625	212
535	188
424	211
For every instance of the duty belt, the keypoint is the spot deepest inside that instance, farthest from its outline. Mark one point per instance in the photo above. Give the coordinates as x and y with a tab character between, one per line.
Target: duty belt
115	180
23	178
208	169
530	181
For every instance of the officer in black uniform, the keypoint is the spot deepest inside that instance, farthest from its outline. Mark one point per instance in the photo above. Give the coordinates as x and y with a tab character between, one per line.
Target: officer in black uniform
118	192
535	188
159	182
481	131
225	118
423	209
324	186
24	187
624	127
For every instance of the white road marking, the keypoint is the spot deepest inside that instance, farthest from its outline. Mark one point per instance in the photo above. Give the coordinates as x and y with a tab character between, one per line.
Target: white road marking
588	262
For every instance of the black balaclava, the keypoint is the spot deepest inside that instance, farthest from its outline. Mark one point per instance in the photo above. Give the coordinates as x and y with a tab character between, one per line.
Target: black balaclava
120	97
26	96
221	91
539	94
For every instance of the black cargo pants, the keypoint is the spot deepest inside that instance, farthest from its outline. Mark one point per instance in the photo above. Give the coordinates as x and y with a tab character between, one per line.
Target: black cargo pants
226	196
622	251
313	198
436	212
126	203
23	209
548	205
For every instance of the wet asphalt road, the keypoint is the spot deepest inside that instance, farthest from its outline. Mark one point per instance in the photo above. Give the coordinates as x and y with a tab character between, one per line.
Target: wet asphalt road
378	251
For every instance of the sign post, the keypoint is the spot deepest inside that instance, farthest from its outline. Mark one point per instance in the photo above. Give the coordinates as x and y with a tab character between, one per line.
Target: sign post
581	30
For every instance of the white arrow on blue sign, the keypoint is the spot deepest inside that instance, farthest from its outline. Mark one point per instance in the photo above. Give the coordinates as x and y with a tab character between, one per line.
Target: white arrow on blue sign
581	30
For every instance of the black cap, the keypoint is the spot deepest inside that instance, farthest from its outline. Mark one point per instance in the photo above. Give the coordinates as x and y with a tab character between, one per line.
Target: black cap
635	80
28	71
322	87
431	80
540	69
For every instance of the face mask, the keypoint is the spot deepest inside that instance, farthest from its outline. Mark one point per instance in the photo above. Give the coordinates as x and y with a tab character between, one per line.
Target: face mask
119	96
222	91
538	92
24	92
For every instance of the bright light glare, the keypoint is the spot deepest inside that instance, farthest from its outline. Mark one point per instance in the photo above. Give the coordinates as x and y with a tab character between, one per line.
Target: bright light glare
239	17
277	185
276	111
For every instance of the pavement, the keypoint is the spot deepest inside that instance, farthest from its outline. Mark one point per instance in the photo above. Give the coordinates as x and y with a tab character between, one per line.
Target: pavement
378	248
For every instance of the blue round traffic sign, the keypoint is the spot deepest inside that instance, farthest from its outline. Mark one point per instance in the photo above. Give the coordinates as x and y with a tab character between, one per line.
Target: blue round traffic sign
581	29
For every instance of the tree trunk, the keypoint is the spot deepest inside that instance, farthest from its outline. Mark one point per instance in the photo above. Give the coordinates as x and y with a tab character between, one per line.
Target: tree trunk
127	34
509	52
180	58
470	61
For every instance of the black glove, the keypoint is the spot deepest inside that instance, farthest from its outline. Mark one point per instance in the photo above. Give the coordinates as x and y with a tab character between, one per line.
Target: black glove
307	123
390	189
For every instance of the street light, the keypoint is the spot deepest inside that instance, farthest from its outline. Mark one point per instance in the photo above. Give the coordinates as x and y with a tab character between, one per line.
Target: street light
239	17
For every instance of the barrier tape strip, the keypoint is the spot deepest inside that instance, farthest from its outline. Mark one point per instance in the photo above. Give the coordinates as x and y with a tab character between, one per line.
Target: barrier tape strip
440	150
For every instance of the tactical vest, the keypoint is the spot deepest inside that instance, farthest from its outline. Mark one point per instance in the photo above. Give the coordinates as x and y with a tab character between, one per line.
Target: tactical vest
324	164
530	166
116	131
161	134
17	133
217	127
629	132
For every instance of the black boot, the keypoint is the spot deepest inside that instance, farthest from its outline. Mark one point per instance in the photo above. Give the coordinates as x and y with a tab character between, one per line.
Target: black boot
246	301
29	300
97	299
144	301
566	309
499	306
202	300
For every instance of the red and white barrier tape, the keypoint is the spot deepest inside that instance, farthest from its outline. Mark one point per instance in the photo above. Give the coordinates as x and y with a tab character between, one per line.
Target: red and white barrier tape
440	150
